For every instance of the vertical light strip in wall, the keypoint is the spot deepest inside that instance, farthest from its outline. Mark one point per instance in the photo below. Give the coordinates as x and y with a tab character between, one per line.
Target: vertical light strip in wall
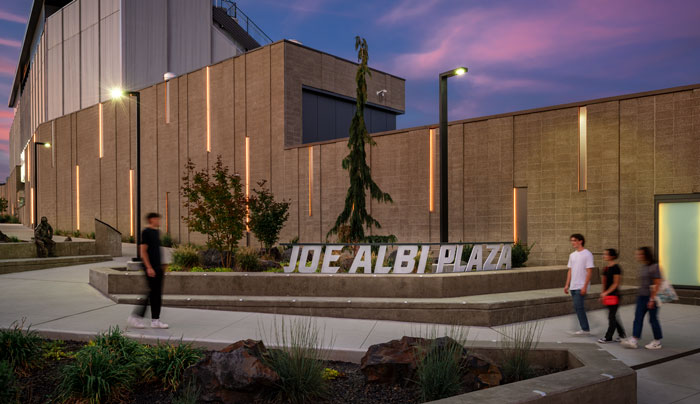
582	148
167	104
209	114
99	110
31	204
247	178
131	202
515	215
53	143
77	196
431	171
311	176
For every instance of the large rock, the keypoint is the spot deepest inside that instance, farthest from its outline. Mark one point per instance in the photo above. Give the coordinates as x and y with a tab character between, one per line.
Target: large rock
480	372
234	375
397	361
392	362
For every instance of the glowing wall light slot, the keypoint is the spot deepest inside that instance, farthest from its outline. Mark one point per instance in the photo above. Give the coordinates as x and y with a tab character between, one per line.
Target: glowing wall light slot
77	196
311	176
208	113
582	148
131	202
31	204
247	179
167	104
515	215
99	107
431	170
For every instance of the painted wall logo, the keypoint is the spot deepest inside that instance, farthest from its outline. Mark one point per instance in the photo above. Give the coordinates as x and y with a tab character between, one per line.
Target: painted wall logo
484	257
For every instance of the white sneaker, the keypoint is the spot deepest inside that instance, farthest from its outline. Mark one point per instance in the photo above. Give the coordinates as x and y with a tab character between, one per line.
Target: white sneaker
655	344
134	322
158	324
581	333
630	343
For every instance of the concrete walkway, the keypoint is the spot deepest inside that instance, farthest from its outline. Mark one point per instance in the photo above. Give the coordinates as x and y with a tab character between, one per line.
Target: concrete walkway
60	302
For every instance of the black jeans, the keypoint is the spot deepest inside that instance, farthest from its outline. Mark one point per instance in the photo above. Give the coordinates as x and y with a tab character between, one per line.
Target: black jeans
614	324
154	297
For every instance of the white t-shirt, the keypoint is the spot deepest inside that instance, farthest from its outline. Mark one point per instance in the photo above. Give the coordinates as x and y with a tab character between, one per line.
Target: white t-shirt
578	262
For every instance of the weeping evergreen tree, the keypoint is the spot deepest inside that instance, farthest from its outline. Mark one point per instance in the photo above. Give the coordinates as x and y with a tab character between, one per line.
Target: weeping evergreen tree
351	222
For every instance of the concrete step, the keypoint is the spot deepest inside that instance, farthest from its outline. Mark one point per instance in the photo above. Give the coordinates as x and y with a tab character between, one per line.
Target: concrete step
27	249
8	266
479	310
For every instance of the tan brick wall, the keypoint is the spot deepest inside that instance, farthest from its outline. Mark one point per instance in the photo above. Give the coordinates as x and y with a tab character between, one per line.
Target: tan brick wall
637	148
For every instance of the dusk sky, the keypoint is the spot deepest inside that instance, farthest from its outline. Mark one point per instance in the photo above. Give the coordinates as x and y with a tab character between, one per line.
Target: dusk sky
520	54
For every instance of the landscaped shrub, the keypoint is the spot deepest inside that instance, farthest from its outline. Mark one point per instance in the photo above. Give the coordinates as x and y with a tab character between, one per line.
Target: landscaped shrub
90	235
54	350
428	263
520	254
186	256
247	260
9	219
440	368
20	348
76	233
219	269
300	363
517	342
189	394
267	216
167	240
126	350
98	375
167	362
9	391
467	252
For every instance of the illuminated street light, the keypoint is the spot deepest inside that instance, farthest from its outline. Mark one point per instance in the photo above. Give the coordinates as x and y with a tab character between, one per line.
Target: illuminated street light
443	148
118	93
36	181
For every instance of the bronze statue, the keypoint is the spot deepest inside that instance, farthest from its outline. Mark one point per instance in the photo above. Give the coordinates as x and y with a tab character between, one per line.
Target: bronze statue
43	234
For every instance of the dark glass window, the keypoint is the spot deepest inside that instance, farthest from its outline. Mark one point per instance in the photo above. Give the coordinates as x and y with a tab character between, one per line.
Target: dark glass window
328	117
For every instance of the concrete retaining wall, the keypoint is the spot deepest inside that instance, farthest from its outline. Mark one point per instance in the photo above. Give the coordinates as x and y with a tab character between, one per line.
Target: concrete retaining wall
63	249
352	285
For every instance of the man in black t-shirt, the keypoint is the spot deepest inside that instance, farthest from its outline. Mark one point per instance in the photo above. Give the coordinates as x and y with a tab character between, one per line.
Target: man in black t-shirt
149	250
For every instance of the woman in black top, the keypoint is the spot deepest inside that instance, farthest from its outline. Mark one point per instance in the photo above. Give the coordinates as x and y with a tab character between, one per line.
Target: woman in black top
611	282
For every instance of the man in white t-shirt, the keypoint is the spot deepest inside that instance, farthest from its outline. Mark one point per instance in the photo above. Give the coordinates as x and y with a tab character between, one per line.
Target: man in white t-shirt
578	279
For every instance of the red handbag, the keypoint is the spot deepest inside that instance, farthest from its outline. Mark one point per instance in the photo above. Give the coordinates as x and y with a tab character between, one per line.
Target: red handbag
611	300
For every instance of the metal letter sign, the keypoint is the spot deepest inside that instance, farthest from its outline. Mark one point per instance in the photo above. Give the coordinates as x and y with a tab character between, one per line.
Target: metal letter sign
498	256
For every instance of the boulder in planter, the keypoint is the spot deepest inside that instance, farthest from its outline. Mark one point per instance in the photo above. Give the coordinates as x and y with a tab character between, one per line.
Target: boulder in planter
392	362
236	374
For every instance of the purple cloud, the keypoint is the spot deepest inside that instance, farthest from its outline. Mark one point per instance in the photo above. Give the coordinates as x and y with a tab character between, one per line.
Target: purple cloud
7	16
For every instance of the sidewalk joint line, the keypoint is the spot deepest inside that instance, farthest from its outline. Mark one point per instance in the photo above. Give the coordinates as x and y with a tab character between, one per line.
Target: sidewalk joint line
666	359
74	314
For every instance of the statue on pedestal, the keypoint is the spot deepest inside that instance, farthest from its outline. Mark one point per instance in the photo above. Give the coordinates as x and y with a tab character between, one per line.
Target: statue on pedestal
43	234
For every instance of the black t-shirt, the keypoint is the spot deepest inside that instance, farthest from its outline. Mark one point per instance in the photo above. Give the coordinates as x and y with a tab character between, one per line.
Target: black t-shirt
610	273
151	237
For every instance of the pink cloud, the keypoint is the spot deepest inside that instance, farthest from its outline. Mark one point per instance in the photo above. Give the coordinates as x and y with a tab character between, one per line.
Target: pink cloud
7	68
407	10
7	114
10	42
533	38
7	16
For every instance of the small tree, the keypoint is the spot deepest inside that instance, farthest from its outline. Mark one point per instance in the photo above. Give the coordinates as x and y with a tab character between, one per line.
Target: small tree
267	217
217	207
355	214
3	205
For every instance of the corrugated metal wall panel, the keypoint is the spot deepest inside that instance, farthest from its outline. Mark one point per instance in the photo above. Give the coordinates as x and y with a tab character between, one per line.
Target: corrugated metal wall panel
189	35
110	55
71	74
89	66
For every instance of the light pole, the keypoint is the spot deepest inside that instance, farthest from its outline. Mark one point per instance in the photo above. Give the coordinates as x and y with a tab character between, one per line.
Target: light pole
443	148
116	94
36	182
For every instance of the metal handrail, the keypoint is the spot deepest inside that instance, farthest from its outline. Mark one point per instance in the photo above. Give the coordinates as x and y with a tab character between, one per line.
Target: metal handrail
243	20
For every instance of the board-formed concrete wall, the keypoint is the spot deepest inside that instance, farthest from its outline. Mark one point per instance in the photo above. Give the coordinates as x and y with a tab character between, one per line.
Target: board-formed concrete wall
639	146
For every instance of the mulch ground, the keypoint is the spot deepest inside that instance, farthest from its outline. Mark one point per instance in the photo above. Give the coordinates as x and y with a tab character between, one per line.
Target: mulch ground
39	385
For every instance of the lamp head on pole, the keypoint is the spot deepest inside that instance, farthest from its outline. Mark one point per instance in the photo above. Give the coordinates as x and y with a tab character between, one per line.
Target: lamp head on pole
116	93
45	144
455	72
